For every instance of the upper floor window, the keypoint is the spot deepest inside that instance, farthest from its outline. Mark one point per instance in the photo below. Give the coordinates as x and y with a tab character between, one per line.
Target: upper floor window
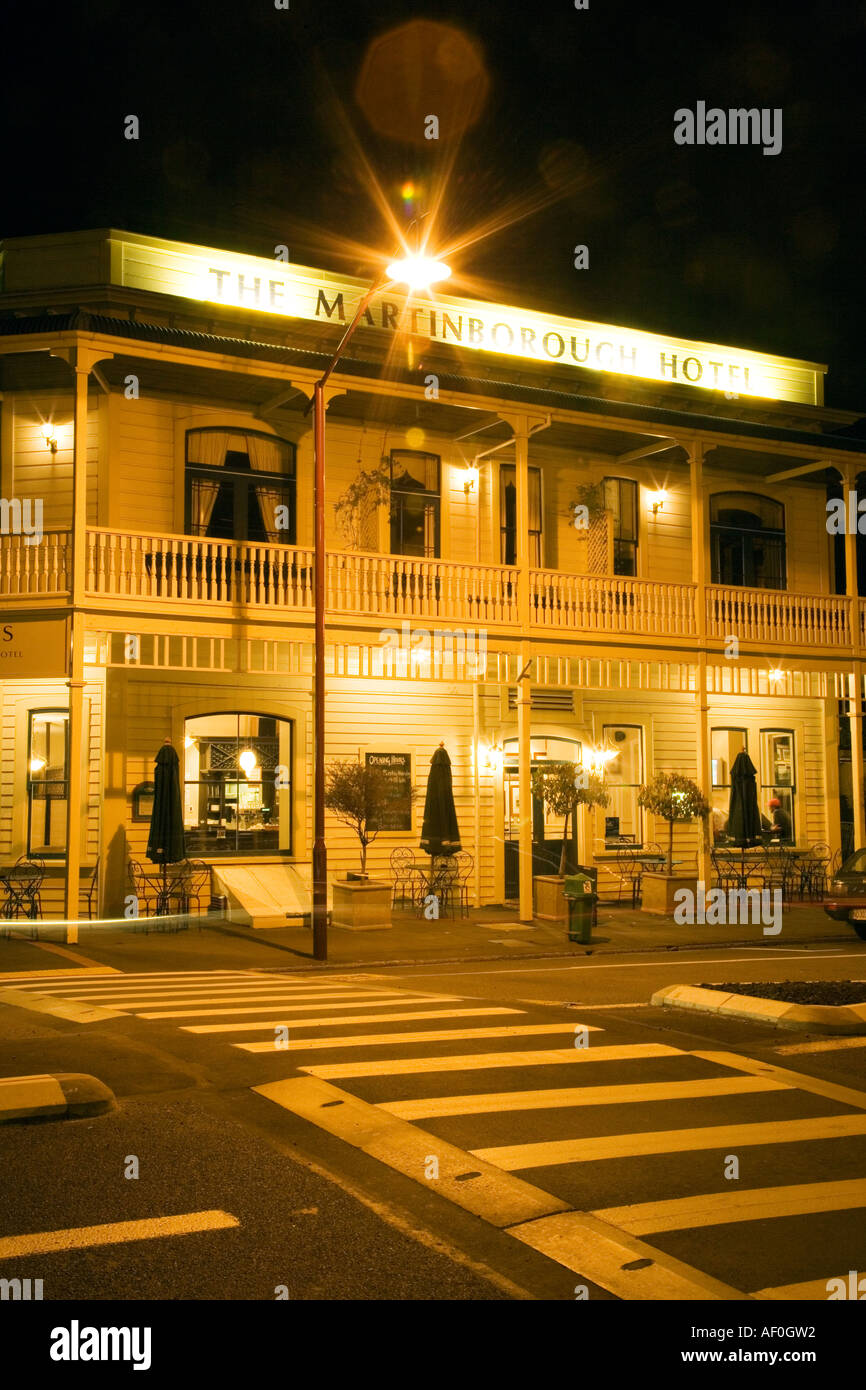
620	498
508	515
747	540
47	772
240	485
415	503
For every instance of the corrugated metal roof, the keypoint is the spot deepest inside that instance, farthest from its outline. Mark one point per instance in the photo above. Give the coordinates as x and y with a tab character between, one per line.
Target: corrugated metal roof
544	397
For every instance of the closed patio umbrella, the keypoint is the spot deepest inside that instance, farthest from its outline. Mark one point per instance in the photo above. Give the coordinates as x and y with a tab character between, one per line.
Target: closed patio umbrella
165	843
744	816
440	835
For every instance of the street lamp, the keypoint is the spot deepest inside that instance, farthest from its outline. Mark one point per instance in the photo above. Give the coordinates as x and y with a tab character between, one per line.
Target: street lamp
416	272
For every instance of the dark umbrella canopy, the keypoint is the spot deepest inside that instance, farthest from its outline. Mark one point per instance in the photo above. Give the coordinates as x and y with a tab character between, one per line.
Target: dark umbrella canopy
165	842
744	817
440	834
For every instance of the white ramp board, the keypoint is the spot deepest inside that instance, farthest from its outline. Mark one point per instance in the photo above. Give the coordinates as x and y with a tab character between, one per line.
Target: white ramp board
266	895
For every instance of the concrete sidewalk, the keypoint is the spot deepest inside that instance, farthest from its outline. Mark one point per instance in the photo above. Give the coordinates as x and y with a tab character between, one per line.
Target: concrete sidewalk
488	934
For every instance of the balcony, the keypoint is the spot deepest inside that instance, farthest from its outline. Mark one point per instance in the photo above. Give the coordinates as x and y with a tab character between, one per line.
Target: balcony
188	572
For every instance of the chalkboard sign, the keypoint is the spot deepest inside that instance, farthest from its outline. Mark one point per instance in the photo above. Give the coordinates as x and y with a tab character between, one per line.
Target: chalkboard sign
397	768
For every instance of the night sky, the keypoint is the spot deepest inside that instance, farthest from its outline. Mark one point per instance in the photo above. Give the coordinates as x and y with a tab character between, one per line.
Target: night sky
243	146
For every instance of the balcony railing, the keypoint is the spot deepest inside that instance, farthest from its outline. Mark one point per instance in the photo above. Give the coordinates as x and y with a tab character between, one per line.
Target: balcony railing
40	568
179	570
774	615
594	603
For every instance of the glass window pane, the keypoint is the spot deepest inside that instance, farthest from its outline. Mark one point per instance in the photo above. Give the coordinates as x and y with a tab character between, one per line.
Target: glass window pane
779	781
46	782
725	745
237	784
624	776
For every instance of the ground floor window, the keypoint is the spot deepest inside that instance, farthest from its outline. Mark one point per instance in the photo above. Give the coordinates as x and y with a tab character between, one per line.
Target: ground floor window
725	745
623	819
47	772
237	785
779	779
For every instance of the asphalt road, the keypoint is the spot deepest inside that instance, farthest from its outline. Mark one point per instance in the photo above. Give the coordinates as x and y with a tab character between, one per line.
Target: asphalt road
642	1130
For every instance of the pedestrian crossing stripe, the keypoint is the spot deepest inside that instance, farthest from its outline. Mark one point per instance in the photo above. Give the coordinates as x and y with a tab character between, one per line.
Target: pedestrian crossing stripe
317	1007
114	978
486	1191
412	1015
247	997
384	1039
481	1061
171	988
115	1233
727	1208
671	1141
571	1097
803	1081
615	1261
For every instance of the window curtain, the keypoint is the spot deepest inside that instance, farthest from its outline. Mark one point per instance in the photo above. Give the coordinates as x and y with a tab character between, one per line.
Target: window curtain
207	447
266	455
203	499
269	499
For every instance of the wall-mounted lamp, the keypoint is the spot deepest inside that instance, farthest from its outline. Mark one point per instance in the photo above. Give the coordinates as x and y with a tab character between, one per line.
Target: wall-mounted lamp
49	434
775	675
597	759
491	757
470	478
657	500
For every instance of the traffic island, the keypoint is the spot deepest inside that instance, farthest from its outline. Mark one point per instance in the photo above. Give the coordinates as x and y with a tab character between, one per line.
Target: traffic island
56	1096
771	1006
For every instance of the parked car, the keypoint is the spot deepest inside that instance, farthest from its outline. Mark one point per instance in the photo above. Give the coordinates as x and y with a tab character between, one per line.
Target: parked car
846	899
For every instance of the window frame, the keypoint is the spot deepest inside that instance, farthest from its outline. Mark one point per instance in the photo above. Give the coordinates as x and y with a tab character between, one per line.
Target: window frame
50	709
640	820
718	529
435	502
241	480
536	560
618	539
237	714
771	788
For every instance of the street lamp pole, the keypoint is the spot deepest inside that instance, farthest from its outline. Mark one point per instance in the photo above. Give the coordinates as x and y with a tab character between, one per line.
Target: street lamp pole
415	272
320	852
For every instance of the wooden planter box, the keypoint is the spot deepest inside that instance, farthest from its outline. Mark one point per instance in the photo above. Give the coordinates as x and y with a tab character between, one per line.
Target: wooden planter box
361	906
657	891
549	903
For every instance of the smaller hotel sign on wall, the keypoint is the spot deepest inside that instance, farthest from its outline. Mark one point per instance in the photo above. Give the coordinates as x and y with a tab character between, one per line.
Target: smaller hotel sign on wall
289	291
34	650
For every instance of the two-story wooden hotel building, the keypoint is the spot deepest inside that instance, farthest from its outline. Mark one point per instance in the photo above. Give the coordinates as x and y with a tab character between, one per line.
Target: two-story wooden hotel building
156	565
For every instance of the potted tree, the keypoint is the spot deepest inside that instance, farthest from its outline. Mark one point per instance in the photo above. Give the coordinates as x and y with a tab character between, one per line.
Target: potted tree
674	798
357	794
563	787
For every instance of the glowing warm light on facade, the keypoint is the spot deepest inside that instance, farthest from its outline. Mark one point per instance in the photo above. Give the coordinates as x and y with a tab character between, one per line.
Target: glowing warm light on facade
418	272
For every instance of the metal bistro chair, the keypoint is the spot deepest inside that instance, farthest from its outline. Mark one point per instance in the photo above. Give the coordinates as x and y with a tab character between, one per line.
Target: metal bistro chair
23	898
629	871
464	863
439	883
402	865
91	892
815	871
192	880
779	870
727	874
144	891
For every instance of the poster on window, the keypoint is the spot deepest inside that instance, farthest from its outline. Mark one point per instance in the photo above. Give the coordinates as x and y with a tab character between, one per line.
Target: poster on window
397	768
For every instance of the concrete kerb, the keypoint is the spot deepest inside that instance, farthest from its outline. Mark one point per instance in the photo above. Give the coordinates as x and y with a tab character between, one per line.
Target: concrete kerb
57	1096
776	1013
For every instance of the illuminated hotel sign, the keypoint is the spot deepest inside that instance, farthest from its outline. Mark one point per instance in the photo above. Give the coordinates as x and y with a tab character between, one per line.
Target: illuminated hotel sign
291	291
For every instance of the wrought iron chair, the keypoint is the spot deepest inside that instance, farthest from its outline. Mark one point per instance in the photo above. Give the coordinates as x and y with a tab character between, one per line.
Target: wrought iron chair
464	864
815	871
91	892
727	873
23	882
402	864
193	879
629	871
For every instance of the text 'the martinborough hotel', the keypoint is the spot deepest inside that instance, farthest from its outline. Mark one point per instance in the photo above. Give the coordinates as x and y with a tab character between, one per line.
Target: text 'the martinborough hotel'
547	539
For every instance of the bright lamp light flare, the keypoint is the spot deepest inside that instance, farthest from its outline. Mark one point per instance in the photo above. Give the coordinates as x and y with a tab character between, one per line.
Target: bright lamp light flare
418	272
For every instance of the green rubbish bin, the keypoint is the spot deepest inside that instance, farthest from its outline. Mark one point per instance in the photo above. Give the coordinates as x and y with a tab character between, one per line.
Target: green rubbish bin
579	889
